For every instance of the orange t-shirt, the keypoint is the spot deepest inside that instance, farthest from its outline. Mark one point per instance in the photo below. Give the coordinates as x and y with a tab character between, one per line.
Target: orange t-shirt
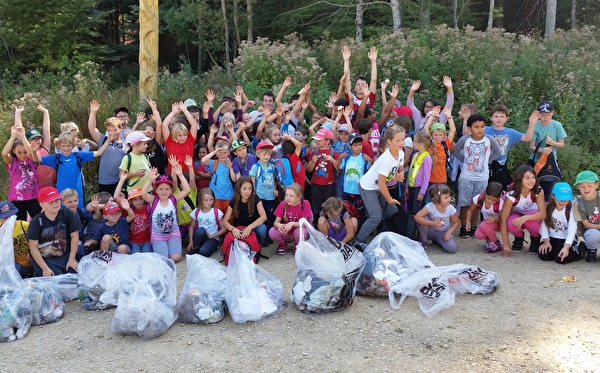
438	172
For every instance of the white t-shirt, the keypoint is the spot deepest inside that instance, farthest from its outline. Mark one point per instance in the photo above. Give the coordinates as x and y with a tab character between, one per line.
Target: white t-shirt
207	220
385	165
563	229
489	212
524	205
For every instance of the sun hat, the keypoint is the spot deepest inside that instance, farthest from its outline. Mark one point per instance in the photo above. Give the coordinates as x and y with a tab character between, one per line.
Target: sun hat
110	208
163	179
133	138
47	194
134	193
586	177
7	209
438	126
324	133
562	191
32	133
343	128
236	144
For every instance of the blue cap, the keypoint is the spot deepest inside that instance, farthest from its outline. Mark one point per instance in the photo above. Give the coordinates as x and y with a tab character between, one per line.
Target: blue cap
562	191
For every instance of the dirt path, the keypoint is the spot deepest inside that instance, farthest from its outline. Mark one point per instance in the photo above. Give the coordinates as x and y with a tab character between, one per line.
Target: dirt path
532	323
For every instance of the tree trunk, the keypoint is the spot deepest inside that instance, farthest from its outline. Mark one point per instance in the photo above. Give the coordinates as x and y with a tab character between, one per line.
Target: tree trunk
455	13
226	35
490	22
358	22
250	32
236	22
396	15
425	14
550	18
573	14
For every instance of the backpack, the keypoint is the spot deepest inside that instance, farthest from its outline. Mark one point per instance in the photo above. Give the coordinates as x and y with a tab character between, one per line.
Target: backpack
500	174
216	211
155	203
532	196
251	241
495	206
449	158
352	210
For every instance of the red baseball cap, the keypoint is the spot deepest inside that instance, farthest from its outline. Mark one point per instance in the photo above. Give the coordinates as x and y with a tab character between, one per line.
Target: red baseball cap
47	194
264	145
403	110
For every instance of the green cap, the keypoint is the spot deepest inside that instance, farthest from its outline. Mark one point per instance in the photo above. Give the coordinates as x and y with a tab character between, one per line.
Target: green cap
438	126
586	177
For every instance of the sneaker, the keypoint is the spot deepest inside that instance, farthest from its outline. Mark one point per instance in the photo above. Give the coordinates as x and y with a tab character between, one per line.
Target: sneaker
361	246
471	232
464	233
517	244
591	256
282	249
581	249
490	247
534	245
423	245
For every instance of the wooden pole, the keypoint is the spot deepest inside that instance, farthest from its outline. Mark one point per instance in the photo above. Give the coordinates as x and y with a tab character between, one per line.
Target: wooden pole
148	57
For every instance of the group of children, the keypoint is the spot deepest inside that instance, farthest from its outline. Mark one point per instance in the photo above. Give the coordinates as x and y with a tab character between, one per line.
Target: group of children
203	173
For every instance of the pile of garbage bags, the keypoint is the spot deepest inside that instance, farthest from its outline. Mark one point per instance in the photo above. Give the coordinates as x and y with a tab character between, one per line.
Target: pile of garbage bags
142	286
327	271
398	267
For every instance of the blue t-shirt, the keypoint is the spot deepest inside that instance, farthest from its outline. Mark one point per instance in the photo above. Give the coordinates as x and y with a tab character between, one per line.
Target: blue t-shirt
265	180
353	168
69	174
220	183
506	138
119	232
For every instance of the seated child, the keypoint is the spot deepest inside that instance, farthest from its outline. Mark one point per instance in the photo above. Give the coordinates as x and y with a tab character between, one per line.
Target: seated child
53	236
20	243
113	235
489	203
586	211
559	230
205	228
335	221
433	220
287	215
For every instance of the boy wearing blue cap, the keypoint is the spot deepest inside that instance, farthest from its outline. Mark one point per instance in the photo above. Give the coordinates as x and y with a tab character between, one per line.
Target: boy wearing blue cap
587	211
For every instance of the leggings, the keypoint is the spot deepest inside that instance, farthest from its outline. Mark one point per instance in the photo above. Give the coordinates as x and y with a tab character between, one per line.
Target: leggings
487	231
532	226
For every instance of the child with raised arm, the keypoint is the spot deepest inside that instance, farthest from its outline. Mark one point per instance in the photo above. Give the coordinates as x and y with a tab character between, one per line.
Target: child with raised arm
586	210
113	235
489	203
164	234
559	229
437	220
524	209
323	163
40	144
221	170
420	116
443	142
179	140
136	162
21	163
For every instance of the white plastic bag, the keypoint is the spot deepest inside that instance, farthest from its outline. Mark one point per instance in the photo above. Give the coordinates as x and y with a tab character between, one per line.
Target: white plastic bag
202	298
47	305
145	284
390	258
253	294
15	306
327	271
93	277
464	278
65	284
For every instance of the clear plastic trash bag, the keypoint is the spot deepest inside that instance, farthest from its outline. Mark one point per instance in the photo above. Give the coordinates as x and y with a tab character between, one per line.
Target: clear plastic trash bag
253	294
65	284
327	271
93	277
15	306
47	305
146	295
202	299
390	258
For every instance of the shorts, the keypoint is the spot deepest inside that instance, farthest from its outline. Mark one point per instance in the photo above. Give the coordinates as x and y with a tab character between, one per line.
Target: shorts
467	189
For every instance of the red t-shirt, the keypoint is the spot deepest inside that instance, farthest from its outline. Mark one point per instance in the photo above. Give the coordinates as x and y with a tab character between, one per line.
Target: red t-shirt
180	151
324	172
297	168
139	228
367	149
358	101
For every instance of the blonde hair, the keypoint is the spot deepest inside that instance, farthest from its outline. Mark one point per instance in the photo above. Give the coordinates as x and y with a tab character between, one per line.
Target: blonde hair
68	193
227	117
67	137
296	188
68	126
333	204
112	122
178	127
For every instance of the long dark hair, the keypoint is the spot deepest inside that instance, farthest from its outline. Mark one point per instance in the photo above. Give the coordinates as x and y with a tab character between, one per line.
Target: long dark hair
518	180
237	196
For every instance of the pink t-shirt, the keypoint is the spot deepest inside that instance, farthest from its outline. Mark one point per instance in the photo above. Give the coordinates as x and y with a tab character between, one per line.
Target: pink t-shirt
294	213
23	180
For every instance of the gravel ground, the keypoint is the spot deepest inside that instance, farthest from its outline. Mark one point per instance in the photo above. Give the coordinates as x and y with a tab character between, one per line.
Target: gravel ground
532	323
